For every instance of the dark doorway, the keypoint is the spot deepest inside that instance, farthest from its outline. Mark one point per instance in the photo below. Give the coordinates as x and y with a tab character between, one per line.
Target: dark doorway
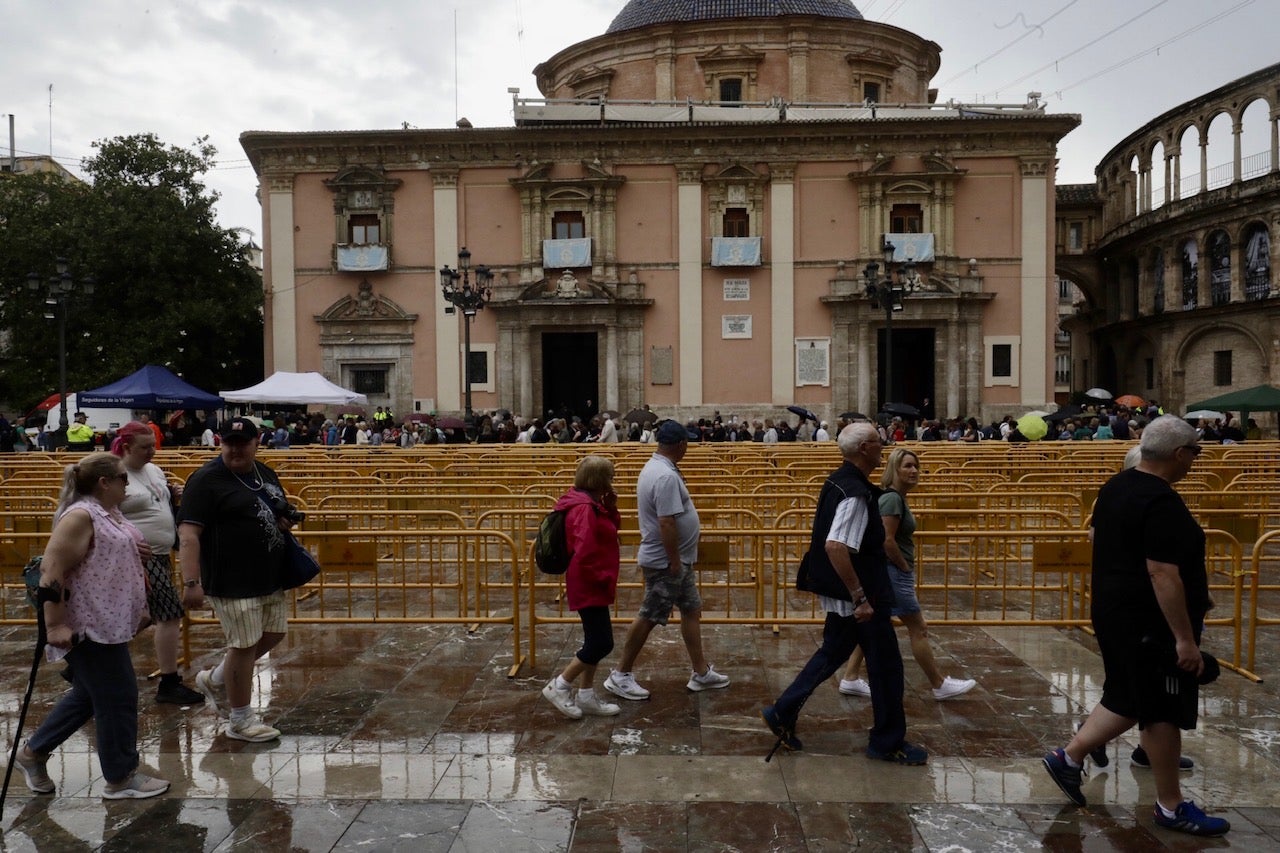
570	375
912	367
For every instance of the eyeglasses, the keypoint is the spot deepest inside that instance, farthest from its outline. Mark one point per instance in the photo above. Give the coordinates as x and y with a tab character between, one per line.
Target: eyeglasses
1194	448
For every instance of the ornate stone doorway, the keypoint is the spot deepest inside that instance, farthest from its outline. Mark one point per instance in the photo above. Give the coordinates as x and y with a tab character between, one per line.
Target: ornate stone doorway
570	374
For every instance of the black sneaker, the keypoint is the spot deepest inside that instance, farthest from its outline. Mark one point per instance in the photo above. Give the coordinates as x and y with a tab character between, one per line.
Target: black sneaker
1190	819
906	753
1067	777
786	737
1139	759
178	693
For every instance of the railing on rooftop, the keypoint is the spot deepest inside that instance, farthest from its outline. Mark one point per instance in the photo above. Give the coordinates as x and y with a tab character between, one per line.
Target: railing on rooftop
529	111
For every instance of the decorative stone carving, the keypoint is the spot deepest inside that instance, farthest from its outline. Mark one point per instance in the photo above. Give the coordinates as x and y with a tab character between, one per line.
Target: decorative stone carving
567	287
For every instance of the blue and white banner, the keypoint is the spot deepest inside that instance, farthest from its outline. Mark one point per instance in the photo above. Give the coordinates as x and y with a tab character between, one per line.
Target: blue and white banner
364	258
911	247
735	251
566	254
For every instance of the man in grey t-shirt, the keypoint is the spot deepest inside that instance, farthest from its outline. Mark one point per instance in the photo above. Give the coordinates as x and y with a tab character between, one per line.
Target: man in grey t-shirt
668	548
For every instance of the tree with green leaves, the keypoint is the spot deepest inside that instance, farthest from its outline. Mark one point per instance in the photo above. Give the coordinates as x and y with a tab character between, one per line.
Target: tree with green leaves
172	287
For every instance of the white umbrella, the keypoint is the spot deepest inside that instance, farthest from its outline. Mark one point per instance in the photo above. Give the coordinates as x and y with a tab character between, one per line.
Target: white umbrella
1098	394
1203	413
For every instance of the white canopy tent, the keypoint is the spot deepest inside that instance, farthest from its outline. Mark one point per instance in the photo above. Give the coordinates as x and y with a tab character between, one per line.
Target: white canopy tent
303	389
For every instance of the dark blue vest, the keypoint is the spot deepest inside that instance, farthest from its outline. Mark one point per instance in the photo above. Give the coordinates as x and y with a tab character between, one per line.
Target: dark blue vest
817	575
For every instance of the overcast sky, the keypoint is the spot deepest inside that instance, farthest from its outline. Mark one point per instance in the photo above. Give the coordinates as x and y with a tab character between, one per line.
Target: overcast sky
183	69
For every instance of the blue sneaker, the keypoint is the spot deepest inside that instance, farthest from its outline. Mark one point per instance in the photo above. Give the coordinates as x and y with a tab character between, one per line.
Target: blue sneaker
786	737
906	753
1190	819
1067	777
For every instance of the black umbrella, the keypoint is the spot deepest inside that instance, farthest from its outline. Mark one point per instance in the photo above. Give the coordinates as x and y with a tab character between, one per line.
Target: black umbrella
902	409
854	416
640	416
1071	411
803	413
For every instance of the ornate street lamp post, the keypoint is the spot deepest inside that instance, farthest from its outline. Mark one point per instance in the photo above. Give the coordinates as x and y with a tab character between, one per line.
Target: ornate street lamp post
887	294
461	293
58	288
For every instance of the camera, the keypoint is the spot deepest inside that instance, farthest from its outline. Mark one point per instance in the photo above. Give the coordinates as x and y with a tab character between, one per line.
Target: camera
290	513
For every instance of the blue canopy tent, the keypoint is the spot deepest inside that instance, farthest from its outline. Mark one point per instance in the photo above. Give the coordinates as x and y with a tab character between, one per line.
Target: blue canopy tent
152	387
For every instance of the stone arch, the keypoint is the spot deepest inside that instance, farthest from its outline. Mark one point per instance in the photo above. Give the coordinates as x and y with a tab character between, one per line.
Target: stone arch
1188	136
1157	184
1219	130
1194	357
1255	138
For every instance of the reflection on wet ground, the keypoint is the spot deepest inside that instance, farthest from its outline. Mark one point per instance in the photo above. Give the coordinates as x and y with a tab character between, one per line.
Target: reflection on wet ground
413	738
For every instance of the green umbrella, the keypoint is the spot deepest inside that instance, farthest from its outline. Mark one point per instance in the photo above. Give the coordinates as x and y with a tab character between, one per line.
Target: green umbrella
1032	426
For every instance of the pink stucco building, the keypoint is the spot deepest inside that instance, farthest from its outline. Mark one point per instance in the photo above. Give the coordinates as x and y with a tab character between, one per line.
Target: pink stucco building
683	220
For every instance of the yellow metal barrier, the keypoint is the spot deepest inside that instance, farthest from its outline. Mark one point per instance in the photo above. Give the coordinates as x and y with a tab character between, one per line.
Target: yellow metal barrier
1265	555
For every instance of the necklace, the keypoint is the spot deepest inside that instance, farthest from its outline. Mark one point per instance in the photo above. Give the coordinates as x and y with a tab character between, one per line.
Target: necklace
253	487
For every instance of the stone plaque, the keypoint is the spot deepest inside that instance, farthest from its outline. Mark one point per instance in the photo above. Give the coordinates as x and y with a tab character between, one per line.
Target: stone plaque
735	326
661	366
813	361
737	289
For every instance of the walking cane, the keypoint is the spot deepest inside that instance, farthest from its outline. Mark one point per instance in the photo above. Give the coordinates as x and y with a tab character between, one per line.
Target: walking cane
42	639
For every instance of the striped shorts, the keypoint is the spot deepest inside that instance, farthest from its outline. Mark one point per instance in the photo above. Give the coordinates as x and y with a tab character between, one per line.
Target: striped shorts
245	620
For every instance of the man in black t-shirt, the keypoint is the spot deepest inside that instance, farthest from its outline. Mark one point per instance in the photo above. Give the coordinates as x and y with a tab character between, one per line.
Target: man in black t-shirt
1150	594
233	547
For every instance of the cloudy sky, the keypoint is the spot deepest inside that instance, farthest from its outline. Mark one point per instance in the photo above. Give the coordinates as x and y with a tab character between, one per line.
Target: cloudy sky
184	69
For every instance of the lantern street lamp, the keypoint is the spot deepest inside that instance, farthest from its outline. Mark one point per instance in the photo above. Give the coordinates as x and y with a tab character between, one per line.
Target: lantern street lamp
58	288
887	294
461	293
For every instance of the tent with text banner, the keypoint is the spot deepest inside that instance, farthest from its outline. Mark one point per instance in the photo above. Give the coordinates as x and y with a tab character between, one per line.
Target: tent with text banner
152	387
299	389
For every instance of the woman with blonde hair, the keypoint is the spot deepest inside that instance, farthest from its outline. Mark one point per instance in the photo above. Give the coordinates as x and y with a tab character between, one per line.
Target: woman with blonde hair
901	475
148	504
94	599
591	525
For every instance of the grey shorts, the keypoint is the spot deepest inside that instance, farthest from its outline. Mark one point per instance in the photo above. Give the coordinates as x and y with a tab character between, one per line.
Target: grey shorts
662	592
904	592
162	597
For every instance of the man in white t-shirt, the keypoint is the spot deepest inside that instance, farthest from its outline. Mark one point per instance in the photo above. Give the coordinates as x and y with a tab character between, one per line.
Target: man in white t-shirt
669	530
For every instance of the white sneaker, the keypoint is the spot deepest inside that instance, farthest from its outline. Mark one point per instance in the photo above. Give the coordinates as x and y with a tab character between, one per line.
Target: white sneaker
252	729
35	770
139	786
624	684
215	695
952	687
855	687
562	699
595	707
708	681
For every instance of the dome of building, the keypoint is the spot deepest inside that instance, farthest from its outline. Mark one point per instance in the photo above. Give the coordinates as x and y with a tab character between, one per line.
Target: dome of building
645	13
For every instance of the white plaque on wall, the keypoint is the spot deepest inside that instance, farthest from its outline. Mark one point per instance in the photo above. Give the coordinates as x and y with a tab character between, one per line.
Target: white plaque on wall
735	326
813	361
737	289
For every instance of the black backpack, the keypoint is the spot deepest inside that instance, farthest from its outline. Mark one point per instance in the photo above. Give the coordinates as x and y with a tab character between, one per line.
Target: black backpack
551	551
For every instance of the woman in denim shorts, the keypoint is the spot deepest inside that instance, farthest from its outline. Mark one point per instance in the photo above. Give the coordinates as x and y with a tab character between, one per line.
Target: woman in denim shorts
901	475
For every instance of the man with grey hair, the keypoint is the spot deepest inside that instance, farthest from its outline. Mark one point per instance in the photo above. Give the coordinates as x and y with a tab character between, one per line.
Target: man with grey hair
847	568
1150	597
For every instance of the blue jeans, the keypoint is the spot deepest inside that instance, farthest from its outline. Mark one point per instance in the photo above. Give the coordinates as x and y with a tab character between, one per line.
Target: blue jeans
840	636
103	689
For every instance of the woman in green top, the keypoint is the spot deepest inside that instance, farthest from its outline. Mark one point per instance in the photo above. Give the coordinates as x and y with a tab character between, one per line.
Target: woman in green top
901	474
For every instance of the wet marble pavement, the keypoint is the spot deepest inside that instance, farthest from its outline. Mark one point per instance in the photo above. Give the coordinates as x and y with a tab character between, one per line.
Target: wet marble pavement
413	738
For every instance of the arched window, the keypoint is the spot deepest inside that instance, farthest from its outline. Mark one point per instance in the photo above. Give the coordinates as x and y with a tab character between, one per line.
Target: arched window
1157	175
1257	262
1189	160
1255	140
1219	252
1190	274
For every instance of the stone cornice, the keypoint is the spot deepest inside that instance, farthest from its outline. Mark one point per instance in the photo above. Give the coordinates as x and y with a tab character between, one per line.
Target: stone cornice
285	154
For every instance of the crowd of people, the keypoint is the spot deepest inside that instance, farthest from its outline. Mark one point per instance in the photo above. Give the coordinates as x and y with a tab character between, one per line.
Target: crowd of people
106	576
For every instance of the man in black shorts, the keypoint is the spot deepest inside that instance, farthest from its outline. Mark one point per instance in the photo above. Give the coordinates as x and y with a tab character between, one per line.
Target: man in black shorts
1150	596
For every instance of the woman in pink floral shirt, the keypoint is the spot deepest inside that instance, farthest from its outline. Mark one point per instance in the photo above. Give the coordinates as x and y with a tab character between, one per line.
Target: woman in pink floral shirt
93	573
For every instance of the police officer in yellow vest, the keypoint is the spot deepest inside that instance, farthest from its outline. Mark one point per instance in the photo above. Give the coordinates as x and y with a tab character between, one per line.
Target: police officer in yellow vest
80	434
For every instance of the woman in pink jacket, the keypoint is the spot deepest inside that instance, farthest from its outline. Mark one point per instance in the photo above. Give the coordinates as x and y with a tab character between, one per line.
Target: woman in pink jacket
591	582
